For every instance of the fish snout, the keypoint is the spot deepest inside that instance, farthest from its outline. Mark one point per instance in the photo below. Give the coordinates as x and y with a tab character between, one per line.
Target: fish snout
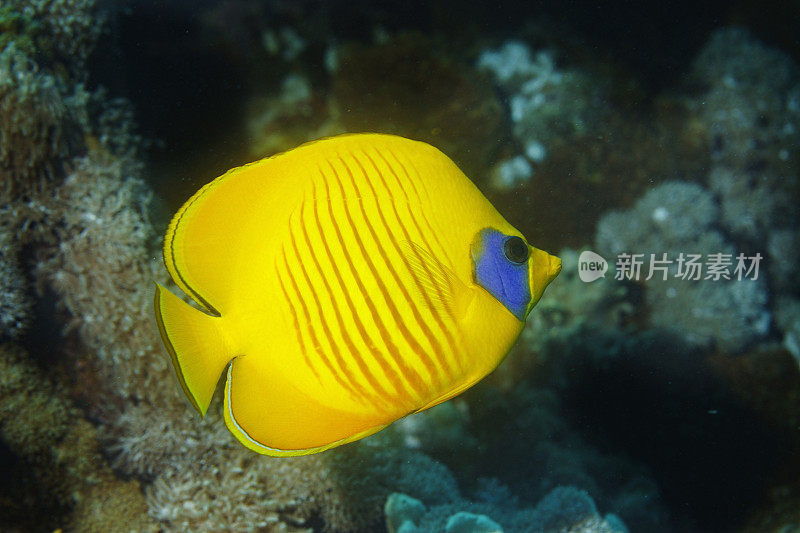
542	269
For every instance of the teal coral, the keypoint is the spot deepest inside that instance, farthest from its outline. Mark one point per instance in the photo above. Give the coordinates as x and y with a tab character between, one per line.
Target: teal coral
563	510
403	512
462	522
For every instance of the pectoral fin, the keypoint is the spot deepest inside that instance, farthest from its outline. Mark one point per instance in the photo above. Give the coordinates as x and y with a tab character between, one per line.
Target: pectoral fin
441	287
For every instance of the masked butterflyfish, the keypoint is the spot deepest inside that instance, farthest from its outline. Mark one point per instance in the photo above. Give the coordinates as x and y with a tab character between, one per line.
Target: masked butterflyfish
341	286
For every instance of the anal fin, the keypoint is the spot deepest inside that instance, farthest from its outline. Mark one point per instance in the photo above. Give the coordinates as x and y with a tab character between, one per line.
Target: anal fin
267	413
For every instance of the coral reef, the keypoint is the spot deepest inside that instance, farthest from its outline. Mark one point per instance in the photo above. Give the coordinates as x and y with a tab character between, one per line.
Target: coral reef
437	431
547	103
571	304
98	269
403	513
787	317
752	101
62	31
564	509
15	305
345	489
579	126
60	449
507	174
751	107
529	439
594	401
570	509
677	218
295	115
462	522
36	126
784	271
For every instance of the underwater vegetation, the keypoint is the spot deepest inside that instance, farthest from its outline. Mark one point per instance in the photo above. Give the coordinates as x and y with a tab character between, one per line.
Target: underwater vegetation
626	405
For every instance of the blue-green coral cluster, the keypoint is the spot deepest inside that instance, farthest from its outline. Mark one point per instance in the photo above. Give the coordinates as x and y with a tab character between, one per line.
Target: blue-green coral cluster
564	509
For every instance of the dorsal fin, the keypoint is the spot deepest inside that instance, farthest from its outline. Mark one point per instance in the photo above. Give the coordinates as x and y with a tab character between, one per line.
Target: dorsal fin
225	228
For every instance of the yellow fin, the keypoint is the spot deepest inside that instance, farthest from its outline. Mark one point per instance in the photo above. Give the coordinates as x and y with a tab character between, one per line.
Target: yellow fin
196	344
441	285
267	413
225	227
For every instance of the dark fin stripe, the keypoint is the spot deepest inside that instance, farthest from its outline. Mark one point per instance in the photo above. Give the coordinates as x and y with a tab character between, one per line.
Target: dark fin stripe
391	347
296	323
350	345
314	338
409	372
434	341
442	250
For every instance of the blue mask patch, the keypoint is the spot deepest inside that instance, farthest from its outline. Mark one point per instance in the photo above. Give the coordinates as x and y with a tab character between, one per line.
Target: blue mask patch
500	265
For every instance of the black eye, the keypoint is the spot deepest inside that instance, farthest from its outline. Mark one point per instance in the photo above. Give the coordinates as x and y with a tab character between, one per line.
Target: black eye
516	250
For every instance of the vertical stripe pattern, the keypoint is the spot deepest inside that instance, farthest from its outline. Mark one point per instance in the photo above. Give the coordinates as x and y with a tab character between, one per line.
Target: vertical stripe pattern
365	320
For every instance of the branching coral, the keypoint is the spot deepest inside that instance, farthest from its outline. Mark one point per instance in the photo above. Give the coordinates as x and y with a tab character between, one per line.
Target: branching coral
226	491
100	267
204	480
34	124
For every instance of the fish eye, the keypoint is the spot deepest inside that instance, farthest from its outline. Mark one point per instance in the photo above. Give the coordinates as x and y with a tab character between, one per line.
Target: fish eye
516	250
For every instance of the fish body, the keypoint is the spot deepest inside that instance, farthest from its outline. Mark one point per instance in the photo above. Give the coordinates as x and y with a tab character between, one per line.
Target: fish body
341	286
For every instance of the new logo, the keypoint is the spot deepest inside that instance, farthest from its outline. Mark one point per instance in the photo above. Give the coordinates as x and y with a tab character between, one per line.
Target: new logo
591	266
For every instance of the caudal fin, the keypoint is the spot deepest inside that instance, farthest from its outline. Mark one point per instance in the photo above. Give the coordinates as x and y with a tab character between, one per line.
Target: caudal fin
196	344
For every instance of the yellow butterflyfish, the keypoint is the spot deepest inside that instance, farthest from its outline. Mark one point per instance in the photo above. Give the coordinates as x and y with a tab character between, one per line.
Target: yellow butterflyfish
342	285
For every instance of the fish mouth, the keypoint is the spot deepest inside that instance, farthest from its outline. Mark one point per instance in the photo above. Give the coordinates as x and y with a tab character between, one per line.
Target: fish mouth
542	269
